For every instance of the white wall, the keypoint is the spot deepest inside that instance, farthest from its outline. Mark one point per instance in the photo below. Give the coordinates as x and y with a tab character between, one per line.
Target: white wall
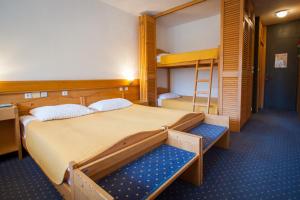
66	39
196	35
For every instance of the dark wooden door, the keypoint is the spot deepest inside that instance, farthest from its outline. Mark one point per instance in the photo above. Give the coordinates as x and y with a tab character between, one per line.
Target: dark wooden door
281	83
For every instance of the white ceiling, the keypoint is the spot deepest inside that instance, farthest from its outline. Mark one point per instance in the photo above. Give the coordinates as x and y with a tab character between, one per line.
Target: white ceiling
202	10
136	7
266	10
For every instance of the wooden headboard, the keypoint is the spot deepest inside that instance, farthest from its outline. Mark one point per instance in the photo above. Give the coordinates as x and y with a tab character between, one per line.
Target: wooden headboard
79	92
101	95
161	90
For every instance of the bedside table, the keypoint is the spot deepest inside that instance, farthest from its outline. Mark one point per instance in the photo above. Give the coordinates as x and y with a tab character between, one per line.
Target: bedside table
10	140
143	103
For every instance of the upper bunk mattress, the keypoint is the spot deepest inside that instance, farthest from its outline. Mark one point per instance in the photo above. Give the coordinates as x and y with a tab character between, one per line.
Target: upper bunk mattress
54	144
206	54
186	103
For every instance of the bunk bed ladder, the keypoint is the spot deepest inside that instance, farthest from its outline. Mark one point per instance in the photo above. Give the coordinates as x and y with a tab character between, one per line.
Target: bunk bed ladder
209	81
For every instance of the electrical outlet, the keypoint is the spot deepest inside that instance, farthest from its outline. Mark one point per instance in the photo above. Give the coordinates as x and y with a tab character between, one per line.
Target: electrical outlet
44	94
28	95
36	95
121	89
64	93
126	88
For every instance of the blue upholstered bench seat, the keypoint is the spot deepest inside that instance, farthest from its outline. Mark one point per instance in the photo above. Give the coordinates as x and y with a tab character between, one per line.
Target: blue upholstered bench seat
140	178
209	132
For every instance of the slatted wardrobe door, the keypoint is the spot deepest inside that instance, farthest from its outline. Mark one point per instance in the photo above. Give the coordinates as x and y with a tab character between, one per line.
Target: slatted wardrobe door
247	64
147	48
245	73
229	72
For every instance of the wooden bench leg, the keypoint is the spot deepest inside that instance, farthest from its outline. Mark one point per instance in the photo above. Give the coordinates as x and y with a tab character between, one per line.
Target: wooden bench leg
224	141
194	174
193	143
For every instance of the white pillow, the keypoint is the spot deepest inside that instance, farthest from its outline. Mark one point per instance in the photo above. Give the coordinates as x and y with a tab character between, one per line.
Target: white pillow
64	111
110	104
168	96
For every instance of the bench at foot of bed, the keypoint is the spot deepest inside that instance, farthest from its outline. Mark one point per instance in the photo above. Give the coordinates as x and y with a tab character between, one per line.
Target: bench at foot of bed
141	171
214	130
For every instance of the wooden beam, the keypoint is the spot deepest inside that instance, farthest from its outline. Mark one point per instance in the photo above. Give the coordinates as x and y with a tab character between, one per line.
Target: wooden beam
177	8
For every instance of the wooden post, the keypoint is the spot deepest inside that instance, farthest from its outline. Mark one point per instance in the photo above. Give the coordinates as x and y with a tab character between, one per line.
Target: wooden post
195	85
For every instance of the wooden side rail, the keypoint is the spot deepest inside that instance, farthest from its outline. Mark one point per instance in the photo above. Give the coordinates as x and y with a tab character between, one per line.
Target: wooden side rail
220	120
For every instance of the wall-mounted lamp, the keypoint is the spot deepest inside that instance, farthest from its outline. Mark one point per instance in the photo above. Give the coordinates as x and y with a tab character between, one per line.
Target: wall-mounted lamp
129	77
281	13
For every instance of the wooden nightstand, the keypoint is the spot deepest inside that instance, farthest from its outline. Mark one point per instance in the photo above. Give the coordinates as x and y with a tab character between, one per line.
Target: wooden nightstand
10	140
144	103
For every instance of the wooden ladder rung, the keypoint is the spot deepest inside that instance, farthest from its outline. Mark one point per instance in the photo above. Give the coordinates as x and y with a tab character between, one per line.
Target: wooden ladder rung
201	104
202	92
203	68
203	80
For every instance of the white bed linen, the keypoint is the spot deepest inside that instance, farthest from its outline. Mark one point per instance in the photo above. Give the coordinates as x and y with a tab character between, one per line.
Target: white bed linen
25	120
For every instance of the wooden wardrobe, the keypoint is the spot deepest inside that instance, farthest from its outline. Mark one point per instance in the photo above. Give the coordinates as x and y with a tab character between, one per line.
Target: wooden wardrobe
236	73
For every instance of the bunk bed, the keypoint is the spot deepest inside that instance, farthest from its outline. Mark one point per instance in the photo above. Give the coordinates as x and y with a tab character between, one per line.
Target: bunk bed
202	60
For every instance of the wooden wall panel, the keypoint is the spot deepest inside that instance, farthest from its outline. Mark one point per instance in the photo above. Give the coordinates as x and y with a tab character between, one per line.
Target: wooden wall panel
13	92
147	52
31	86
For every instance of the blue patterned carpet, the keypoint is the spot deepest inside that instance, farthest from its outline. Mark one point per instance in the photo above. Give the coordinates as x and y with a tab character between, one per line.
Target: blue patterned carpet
262	163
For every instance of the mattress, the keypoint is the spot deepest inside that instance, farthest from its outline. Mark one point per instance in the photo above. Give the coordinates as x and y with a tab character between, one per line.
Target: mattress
54	144
186	103
168	59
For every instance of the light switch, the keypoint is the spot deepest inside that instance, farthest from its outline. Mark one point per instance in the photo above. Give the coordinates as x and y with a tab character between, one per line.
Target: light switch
44	94
28	95
126	88
64	93
121	88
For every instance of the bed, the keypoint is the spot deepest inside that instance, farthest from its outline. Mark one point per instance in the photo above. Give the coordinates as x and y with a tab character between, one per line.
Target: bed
167	60
81	140
186	103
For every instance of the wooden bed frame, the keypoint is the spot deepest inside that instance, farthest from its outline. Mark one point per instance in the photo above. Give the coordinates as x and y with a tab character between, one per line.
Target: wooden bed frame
183	124
83	178
187	64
